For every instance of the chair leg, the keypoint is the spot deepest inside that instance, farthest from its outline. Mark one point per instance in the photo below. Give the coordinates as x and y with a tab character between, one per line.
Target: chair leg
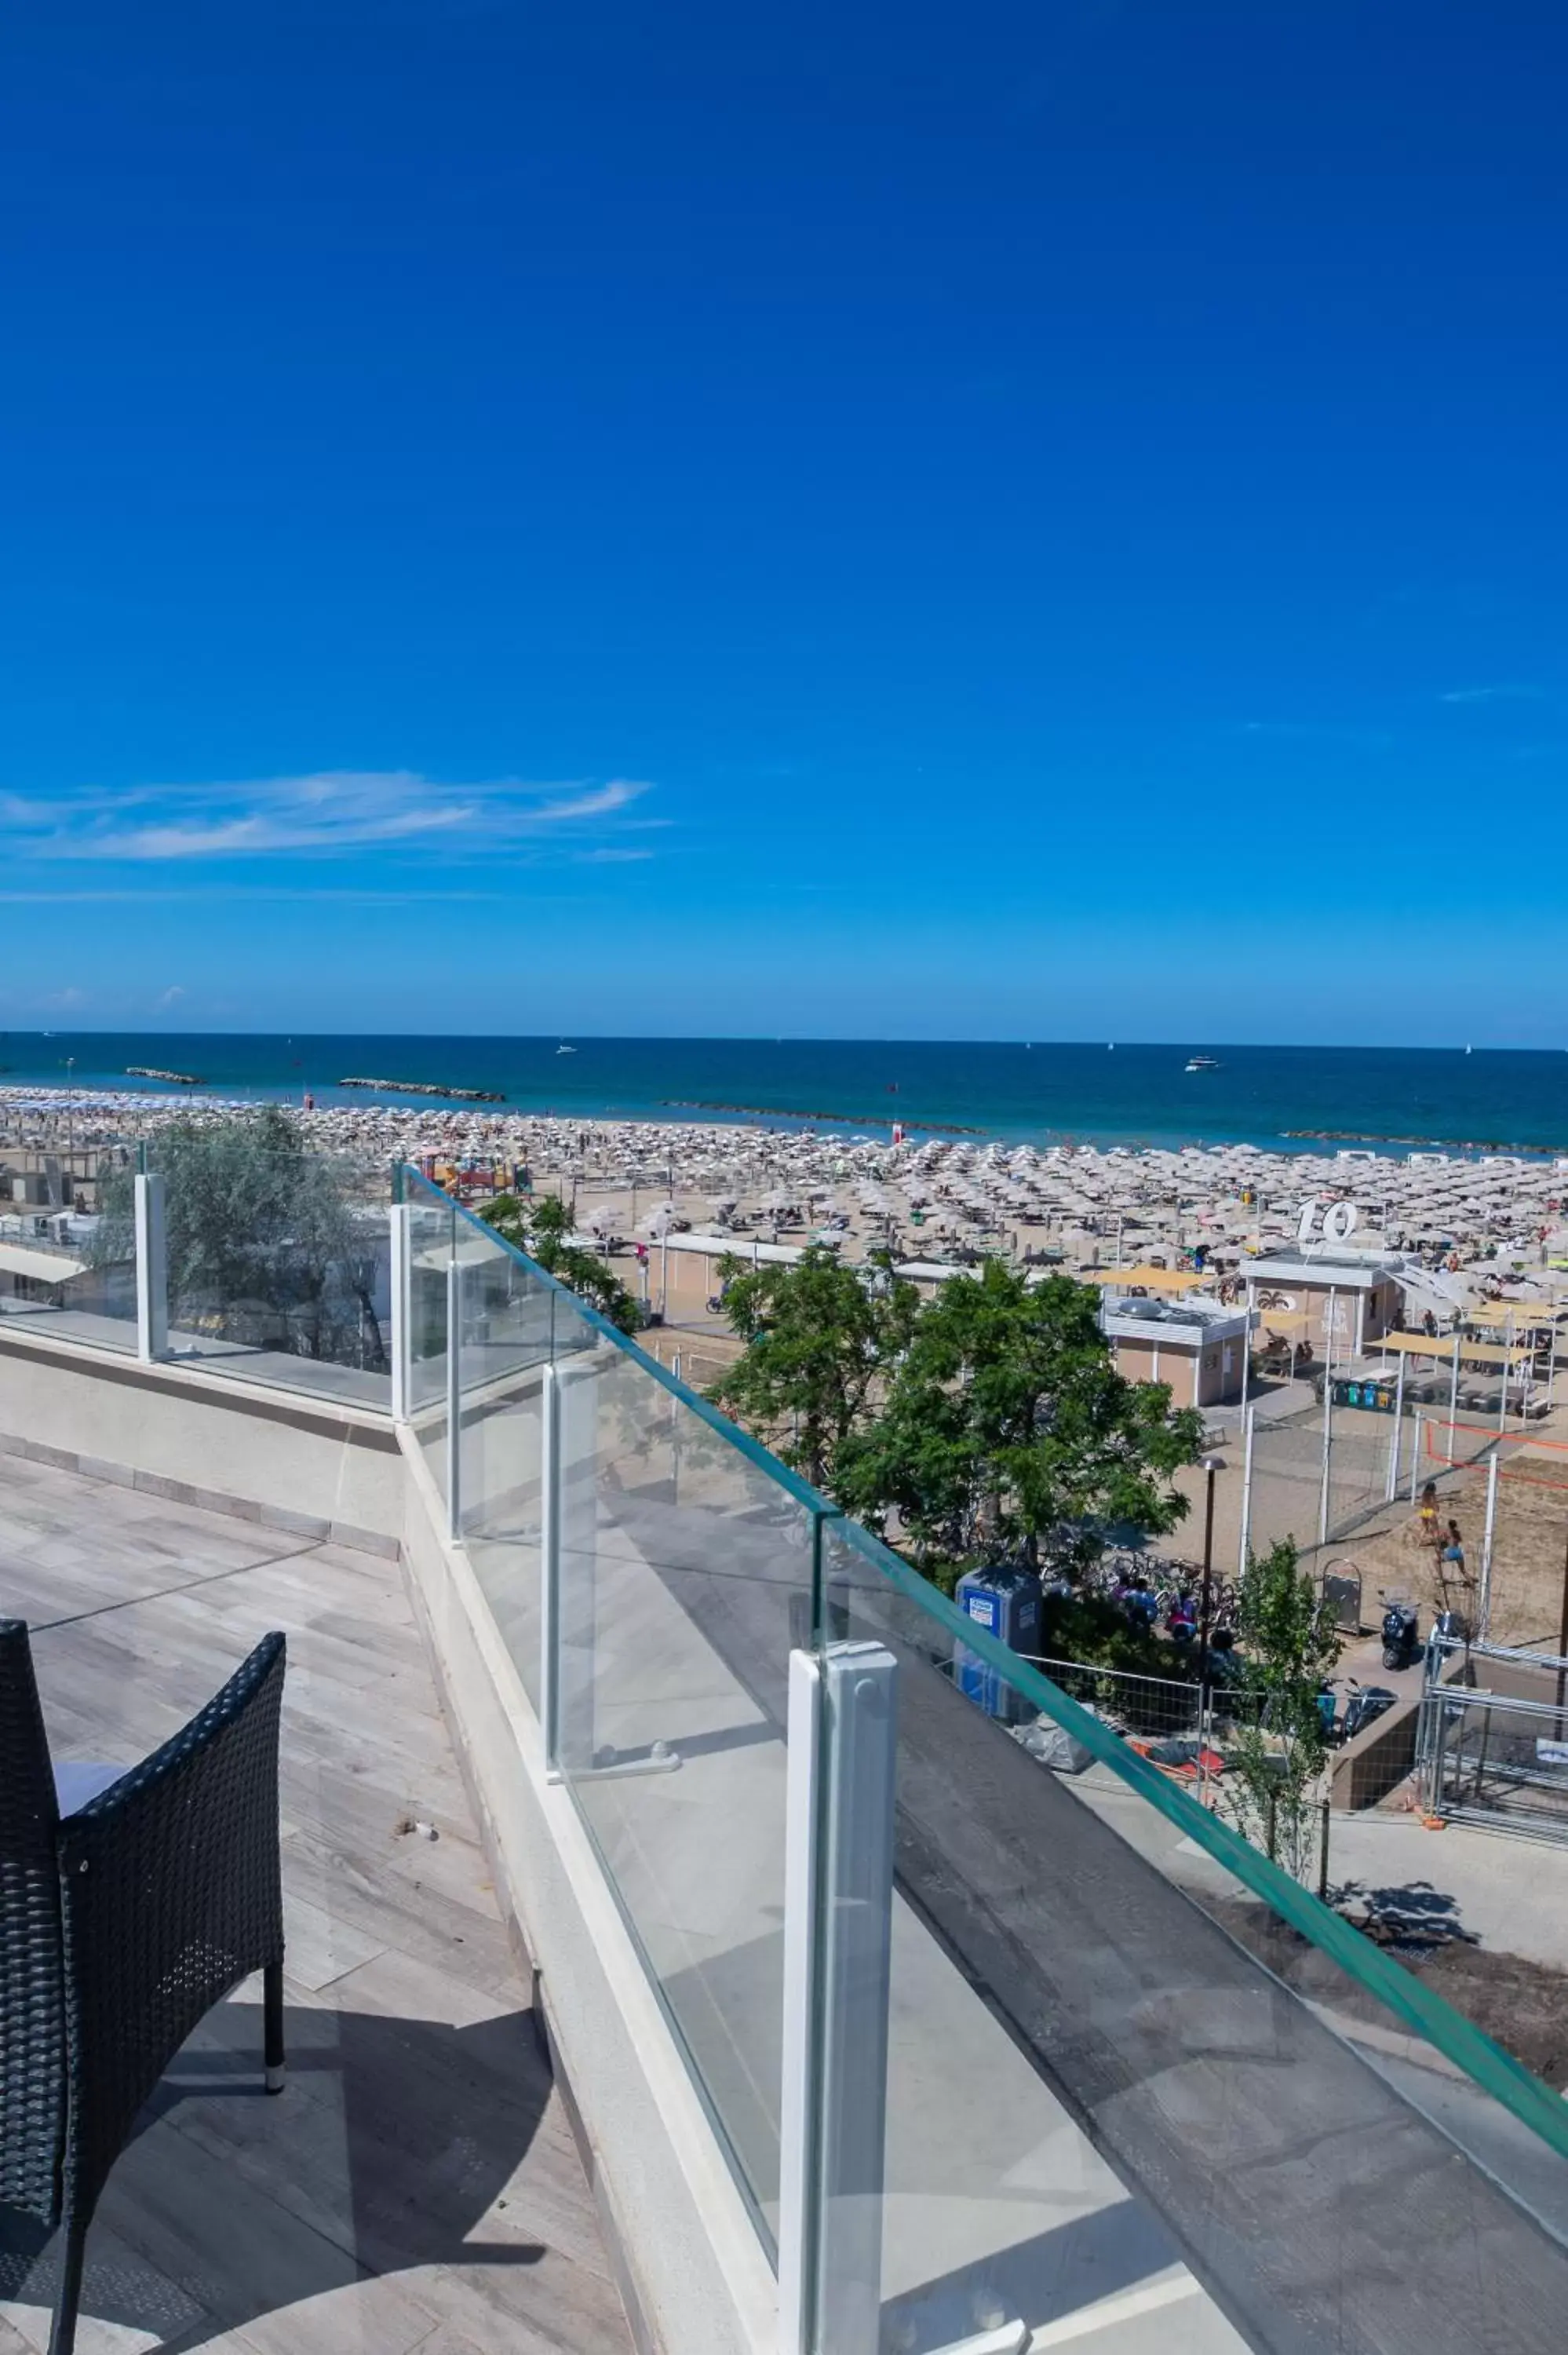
67	2298
272	2015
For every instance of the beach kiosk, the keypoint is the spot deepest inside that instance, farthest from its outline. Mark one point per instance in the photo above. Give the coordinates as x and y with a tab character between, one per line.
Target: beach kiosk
1161	1329
1347	1300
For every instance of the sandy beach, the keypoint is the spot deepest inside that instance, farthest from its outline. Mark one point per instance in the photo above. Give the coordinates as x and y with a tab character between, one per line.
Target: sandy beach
1489	1221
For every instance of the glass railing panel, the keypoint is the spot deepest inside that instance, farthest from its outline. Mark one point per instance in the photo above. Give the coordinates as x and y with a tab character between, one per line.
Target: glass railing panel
432	1234
1265	2105
505	1311
279	1264
685	1576
71	1275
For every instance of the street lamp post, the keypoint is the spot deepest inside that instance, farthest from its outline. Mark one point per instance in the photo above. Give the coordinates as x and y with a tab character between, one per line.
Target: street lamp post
1209	1466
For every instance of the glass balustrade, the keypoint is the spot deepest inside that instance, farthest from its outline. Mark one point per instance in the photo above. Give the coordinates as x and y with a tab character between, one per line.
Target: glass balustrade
1107	2058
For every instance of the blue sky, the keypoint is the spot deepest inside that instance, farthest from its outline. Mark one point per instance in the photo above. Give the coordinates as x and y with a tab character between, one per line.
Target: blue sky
997	521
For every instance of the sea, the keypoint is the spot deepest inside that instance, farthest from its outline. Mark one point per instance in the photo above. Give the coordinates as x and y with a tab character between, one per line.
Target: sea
1291	1098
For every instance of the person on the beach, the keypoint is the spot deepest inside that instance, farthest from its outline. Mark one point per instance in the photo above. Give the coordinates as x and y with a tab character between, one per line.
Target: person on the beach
1428	1515
1453	1549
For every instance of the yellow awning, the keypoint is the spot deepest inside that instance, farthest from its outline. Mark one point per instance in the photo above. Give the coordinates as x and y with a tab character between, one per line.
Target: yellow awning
1524	1317
1150	1279
1471	1353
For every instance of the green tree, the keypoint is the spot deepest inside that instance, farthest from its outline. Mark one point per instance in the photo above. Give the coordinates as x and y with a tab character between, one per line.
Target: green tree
540	1225
268	1242
1006	1428
818	1335
1277	1748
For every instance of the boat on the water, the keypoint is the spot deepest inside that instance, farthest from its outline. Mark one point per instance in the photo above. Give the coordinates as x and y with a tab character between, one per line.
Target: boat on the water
1202	1063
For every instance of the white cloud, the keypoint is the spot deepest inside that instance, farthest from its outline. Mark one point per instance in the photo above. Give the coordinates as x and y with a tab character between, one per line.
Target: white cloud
1504	694
329	815
170	997
612	857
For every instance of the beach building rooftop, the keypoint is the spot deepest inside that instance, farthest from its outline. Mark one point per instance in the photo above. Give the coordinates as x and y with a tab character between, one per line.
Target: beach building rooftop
1197	1345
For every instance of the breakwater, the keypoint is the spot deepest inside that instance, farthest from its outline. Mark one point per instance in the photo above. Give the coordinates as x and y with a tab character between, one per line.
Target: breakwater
428	1088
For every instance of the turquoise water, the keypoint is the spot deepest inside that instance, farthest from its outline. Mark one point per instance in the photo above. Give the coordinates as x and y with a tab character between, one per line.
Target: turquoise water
1044	1093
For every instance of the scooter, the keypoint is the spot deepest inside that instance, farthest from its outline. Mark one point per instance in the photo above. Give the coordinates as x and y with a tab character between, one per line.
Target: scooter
1363	1705
1401	1635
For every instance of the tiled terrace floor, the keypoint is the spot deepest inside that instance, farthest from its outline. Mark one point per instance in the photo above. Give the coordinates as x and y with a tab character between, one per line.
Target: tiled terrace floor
416	2185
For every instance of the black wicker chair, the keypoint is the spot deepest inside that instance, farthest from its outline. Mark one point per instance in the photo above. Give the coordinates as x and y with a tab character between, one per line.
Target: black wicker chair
120	1926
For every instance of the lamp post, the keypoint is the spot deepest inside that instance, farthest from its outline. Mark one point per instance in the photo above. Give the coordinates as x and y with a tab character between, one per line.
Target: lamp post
1210	1466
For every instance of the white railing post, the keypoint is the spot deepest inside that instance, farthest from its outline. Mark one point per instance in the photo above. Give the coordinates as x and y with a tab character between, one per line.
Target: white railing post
1332	1329
1249	1428
1484	1600
400	1278
454	1396
550	1569
152	1270
838	1922
1396	1445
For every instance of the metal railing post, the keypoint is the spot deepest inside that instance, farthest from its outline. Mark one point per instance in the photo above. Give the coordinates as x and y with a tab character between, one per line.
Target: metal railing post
550	1569
454	1395
1484	1600
401	1280
1396	1444
1323	1502
1247	1438
152	1269
838	1920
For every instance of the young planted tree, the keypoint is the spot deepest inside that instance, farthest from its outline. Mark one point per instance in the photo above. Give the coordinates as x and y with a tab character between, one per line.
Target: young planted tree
1006	1429
818	1336
540	1225
1276	1750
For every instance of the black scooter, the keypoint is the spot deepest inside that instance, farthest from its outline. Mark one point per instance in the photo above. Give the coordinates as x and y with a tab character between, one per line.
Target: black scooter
1363	1703
1401	1635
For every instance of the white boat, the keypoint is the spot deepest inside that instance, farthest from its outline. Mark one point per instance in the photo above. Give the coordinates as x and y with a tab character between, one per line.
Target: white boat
1202	1063
565	1049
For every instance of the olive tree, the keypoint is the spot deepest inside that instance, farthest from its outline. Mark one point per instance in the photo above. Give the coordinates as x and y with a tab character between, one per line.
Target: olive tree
266	1243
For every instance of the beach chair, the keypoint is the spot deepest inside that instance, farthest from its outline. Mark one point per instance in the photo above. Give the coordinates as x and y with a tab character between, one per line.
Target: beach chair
130	1901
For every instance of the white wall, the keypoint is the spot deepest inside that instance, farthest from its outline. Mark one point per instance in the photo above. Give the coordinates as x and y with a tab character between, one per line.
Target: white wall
323	1469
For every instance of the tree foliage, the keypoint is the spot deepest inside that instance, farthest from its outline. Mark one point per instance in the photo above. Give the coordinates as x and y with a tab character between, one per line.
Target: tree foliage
266	1242
540	1225
818	1335
1277	1749
1006	1429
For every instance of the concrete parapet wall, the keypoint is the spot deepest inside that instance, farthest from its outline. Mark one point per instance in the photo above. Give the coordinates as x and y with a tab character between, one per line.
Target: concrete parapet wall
314	1467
